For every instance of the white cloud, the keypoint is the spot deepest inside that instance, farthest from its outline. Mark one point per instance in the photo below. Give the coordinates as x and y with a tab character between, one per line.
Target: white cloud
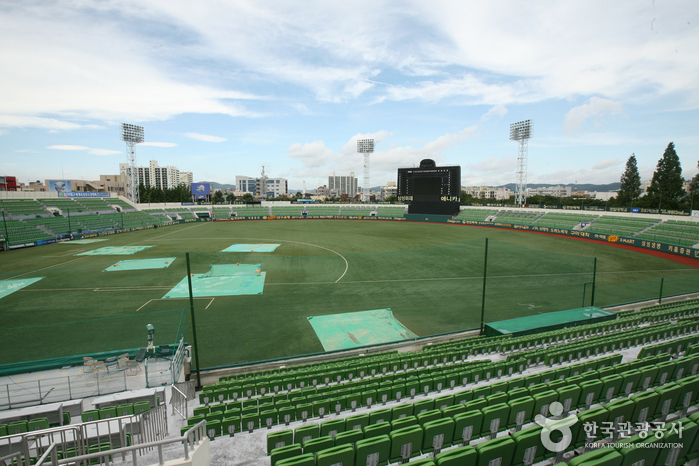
319	160
313	154
21	121
89	150
68	147
158	144
205	137
496	111
492	164
596	107
604	164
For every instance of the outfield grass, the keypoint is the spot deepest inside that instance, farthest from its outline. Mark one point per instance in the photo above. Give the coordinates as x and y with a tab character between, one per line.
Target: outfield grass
430	275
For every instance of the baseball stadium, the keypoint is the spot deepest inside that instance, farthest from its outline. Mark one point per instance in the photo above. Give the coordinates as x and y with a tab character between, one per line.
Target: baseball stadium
318	335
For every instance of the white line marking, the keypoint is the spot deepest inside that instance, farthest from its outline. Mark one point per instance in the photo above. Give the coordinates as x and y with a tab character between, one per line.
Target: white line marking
144	305
207	306
294	242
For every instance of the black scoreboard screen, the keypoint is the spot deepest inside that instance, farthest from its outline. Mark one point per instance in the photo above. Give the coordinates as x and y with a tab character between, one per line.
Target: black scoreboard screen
429	188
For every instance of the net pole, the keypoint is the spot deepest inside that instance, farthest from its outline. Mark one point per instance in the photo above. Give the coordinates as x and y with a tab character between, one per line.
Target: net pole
7	235
660	296
594	280
194	325
485	275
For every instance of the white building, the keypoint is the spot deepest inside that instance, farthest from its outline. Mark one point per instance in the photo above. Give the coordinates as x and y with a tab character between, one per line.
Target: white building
555	191
486	192
158	177
272	187
342	185
389	190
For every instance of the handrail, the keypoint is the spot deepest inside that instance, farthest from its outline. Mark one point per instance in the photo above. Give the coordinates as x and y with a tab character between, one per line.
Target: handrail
192	436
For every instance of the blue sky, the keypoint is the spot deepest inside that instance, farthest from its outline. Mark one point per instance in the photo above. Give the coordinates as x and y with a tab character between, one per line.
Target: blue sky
224	87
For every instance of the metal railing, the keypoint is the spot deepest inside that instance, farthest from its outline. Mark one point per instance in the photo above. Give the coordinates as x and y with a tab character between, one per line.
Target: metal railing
59	389
178	361
181	394
190	441
137	430
156	377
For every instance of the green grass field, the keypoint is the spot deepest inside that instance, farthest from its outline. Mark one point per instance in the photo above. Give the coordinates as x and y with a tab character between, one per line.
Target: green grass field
430	275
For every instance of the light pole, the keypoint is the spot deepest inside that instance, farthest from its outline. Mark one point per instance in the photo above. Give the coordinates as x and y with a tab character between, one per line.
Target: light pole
521	132
131	135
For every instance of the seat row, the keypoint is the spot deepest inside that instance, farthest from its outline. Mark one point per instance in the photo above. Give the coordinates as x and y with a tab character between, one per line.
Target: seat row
572	391
108	412
409	436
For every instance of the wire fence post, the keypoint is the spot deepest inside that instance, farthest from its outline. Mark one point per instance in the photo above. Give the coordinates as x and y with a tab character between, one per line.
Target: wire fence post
485	275
594	281
660	296
194	325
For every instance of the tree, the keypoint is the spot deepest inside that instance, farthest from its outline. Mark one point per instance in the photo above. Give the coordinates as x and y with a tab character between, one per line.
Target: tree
247	197
218	197
230	198
667	186
630	188
693	191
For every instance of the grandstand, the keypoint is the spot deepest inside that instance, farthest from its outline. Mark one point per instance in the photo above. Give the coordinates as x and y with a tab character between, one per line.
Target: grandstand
622	226
618	386
517	217
480	215
567	221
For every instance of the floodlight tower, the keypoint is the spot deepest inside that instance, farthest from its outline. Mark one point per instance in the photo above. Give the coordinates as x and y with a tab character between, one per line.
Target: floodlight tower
131	135
366	147
521	132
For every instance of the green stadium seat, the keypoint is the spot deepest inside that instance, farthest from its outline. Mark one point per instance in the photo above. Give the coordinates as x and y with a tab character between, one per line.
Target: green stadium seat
438	434
404	422
90	415
376	430
339	455
127	410
462	456
141	407
521	411
300	460
601	457
317	444
528	446
405	443
213	426
278	439
348	437
428	416
332	428
499	450
590	422
108	412
356	421
306	433
637	455
467	426
645	406
38	424
380	415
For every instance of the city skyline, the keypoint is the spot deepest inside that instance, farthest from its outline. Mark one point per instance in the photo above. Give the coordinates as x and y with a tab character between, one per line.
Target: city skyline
222	89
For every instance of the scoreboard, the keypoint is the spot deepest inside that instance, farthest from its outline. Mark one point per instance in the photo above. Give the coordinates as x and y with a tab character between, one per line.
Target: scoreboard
430	189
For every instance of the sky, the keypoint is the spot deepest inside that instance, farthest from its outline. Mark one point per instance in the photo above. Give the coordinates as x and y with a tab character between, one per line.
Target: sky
225	87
